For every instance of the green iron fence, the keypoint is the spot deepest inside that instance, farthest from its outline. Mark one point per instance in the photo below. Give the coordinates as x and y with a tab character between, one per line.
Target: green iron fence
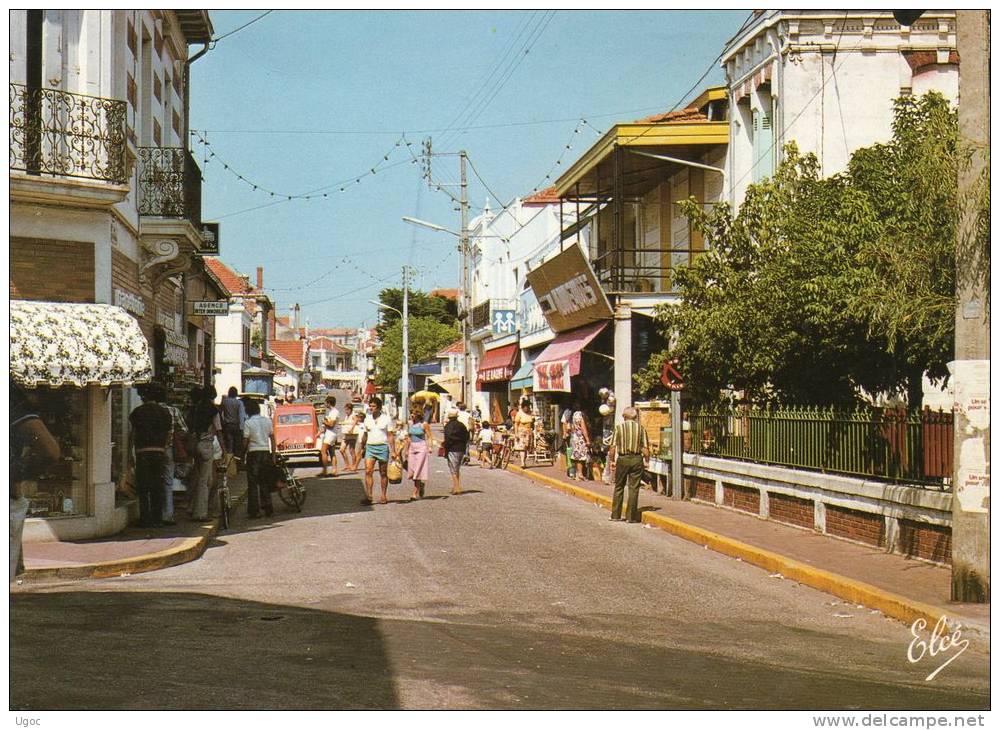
896	445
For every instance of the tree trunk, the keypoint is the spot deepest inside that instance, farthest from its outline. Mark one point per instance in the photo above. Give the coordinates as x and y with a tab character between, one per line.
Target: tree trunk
915	389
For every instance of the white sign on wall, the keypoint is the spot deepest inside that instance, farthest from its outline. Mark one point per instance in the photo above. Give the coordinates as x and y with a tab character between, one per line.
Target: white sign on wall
129	302
211	309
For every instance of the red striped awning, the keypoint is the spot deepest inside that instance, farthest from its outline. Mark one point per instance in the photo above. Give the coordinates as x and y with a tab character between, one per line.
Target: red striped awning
498	365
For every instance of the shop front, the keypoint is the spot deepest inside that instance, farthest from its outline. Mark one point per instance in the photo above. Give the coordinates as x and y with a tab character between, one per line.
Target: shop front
493	378
69	358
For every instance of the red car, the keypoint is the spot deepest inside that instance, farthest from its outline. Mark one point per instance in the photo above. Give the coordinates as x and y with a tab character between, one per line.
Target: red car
295	429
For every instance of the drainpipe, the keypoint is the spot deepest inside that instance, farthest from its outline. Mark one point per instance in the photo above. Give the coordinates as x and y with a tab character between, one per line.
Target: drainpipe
187	95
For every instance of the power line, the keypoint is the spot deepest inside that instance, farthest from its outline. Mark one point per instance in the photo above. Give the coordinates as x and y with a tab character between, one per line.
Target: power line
522	26
245	25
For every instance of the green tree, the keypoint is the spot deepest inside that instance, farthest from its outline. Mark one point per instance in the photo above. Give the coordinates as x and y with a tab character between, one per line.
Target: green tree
421	304
427	337
819	290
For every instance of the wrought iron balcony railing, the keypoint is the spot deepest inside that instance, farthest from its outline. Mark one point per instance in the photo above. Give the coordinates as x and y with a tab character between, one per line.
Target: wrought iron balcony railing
55	132
169	184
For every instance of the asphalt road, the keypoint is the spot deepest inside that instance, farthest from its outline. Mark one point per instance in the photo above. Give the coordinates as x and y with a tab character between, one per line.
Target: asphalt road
508	596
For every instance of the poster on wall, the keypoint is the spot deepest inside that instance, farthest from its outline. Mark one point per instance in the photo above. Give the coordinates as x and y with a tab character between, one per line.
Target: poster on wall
551	376
568	292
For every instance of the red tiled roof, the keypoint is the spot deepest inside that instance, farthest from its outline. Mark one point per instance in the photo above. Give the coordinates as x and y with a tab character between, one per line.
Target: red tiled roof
291	351
234	282
325	343
446	293
680	116
335	331
455	348
283	321
542	197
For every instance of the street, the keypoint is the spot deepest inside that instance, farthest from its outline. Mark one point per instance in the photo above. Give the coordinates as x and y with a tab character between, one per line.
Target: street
507	596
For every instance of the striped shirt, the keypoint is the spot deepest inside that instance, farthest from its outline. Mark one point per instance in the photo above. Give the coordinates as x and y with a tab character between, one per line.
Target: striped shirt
629	439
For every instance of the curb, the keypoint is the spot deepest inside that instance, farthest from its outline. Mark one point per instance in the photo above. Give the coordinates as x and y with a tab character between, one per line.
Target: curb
188	551
890	604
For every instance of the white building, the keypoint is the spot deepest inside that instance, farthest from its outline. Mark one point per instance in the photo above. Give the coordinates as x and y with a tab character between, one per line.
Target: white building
827	80
505	246
105	212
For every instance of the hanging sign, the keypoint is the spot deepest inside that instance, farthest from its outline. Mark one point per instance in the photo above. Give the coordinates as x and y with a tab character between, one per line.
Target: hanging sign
211	309
568	292
551	376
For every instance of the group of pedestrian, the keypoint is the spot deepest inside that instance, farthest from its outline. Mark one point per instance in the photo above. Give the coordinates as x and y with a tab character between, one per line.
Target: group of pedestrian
339	434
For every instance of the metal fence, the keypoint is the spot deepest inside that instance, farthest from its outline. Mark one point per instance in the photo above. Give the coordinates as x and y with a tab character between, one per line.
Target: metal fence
896	445
169	184
74	135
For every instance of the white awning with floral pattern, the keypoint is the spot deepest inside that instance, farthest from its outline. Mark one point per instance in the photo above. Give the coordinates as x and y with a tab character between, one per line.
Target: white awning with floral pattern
54	343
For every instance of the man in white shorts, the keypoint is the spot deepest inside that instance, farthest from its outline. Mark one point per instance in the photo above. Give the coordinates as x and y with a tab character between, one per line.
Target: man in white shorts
330	436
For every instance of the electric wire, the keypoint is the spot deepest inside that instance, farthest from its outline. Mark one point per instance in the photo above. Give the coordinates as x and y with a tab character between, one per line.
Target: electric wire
213	41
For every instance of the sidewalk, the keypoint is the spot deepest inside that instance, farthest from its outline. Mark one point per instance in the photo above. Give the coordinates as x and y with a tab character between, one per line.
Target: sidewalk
903	588
134	550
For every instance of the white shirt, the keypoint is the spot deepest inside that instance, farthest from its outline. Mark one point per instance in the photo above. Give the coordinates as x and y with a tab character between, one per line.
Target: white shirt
486	436
258	428
350	423
465	418
332	417
378	429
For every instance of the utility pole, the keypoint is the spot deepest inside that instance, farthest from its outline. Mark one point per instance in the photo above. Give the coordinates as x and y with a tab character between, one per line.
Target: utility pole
463	244
405	404
970	371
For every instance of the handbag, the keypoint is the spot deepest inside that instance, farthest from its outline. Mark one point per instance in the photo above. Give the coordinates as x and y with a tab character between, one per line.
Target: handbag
180	447
394	472
441	451
216	449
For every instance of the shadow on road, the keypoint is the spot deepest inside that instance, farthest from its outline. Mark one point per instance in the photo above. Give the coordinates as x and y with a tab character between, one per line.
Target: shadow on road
152	651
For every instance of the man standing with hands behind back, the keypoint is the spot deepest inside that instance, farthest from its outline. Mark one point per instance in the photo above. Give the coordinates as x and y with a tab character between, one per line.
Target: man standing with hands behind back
629	454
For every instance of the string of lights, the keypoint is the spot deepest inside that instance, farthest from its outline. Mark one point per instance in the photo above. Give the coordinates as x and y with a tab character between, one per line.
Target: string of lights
344	184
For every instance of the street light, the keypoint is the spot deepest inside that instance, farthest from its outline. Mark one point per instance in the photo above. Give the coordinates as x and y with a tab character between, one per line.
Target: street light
432	226
404	315
463	248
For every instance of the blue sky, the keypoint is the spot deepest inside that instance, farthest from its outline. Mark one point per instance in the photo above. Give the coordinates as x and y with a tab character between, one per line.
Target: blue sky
304	101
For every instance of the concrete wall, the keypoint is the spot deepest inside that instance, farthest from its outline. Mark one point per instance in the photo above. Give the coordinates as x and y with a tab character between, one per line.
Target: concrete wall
894	517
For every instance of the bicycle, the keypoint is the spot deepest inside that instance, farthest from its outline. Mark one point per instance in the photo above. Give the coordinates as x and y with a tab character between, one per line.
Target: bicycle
290	490
502	459
223	467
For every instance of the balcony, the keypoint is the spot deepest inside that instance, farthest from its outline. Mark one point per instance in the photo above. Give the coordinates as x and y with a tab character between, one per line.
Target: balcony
169	184
641	270
68	135
484	318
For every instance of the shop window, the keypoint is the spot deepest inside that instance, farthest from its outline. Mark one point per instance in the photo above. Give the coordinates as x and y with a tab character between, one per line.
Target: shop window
61	489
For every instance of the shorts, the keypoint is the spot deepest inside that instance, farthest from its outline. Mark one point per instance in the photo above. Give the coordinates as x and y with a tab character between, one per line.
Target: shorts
455	459
378	452
350	438
330	437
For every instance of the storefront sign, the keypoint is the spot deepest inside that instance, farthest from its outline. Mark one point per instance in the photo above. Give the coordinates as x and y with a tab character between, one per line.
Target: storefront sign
552	376
130	302
531	317
504	321
209	239
568	291
175	355
211	309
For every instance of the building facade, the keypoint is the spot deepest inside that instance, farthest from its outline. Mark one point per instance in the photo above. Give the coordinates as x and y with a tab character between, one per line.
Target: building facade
827	80
105	219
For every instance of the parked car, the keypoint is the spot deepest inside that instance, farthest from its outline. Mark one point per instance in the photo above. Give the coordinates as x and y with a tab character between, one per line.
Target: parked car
295	428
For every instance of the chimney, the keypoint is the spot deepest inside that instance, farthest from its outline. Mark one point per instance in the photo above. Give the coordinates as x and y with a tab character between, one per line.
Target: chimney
260	278
295	319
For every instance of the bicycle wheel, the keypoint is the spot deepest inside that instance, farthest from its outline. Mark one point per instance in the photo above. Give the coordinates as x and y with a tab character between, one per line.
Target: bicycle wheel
224	507
292	494
505	457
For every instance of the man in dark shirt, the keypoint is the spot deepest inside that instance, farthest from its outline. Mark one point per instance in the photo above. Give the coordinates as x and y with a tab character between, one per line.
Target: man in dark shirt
151	427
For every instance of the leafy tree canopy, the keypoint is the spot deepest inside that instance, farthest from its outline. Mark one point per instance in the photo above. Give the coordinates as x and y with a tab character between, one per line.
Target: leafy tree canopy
421	304
819	291
427	337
